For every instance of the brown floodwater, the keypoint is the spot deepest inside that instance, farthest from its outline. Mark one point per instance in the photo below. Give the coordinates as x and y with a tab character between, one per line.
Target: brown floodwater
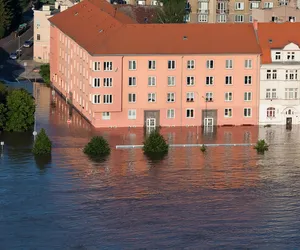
229	197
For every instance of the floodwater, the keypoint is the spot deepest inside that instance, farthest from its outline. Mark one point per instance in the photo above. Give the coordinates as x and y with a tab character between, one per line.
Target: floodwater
228	198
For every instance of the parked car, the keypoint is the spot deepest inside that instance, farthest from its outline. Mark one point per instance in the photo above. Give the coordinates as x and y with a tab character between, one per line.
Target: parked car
28	44
14	56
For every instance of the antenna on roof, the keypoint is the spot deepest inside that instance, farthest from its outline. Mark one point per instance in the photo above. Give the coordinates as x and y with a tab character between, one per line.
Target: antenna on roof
76	13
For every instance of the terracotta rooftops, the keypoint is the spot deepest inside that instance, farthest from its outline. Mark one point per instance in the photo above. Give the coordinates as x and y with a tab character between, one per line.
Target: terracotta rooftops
101	30
276	36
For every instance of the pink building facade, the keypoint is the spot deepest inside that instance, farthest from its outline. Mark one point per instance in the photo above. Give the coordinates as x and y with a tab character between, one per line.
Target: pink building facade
135	90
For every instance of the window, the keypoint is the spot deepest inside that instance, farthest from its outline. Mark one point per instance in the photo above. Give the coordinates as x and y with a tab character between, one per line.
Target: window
283	2
131	114
291	93
209	80
151	97
248	79
96	99
190	81
132	81
107	66
268	5
151	81
277	55
228	80
271	112
229	64
271	94
291	75
190	113
187	18
96	66
250	19
239	6
228	112
228	96
247	96
151	65
171	80
190	96
221	6
190	64
107	82
247	112
171	64
38	37
202	18
105	116
209	96
254	5
239	18
131	97
171	113
171	97
221	19
132	65
96	83
248	64
107	99
210	64
292	19
271	74
290	56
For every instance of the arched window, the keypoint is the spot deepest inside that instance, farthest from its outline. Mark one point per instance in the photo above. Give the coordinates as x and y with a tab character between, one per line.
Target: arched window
270	112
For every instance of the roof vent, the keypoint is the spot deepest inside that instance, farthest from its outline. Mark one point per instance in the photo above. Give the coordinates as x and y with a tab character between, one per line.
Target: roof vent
270	40
76	13
185	38
100	31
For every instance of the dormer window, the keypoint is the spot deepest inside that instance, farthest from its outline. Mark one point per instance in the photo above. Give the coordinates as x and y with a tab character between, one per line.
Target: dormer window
290	56
277	55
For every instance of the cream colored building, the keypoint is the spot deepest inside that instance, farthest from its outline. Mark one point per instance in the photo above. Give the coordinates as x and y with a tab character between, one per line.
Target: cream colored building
41	38
278	15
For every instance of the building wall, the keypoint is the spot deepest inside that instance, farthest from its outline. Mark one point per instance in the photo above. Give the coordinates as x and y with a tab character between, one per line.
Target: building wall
282	14
282	103
73	74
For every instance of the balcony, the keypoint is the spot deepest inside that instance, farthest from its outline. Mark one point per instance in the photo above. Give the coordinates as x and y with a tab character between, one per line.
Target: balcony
222	12
201	11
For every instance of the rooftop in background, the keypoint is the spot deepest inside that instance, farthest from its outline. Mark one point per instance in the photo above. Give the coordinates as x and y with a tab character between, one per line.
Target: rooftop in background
276	36
102	29
141	14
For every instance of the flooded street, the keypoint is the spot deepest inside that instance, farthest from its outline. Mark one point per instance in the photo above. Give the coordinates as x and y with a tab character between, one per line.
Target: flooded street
230	197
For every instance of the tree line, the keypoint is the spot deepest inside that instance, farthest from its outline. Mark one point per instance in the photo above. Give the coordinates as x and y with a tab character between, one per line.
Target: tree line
11	14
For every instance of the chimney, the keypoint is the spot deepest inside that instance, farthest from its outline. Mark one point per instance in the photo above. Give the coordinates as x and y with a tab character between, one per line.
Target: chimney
255	24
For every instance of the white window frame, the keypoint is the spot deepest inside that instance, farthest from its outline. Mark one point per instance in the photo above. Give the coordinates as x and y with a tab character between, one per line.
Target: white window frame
277	56
96	82
171	81
170	113
271	93
131	97
248	96
96	66
239	18
171	64
96	99
210	64
190	81
107	82
131	81
152	65
132	65
239	6
290	56
107	99
190	113
151	81
248	64
228	96
221	18
291	94
105	115
131	114
202	18
255	4
248	80
190	96
229	64
190	64
228	112
171	97
291	75
271	74
247	114
209	81
209	96
151	97
228	80
268	5
108	66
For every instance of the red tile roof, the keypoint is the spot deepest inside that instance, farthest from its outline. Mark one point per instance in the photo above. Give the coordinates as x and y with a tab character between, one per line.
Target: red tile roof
276	36
94	28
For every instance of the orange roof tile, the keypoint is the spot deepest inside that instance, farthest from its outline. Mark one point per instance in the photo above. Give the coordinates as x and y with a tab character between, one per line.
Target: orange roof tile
276	36
96	30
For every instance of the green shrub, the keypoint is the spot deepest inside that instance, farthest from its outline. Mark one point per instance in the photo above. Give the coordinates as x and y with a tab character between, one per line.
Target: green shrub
261	146
155	144
203	148
42	144
45	73
97	147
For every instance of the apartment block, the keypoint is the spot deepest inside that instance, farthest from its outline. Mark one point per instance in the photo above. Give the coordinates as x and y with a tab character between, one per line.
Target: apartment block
118	73
278	14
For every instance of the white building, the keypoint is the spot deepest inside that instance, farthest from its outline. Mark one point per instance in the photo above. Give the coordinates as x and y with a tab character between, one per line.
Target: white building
279	74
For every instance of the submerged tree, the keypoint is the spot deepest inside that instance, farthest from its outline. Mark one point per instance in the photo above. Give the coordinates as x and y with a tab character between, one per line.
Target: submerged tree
155	144
97	147
42	144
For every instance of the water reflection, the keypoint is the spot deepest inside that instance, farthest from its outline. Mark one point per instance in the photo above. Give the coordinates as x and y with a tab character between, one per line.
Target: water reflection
229	197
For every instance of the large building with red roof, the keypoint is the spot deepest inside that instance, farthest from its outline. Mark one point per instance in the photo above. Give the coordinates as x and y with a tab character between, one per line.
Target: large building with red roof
119	73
